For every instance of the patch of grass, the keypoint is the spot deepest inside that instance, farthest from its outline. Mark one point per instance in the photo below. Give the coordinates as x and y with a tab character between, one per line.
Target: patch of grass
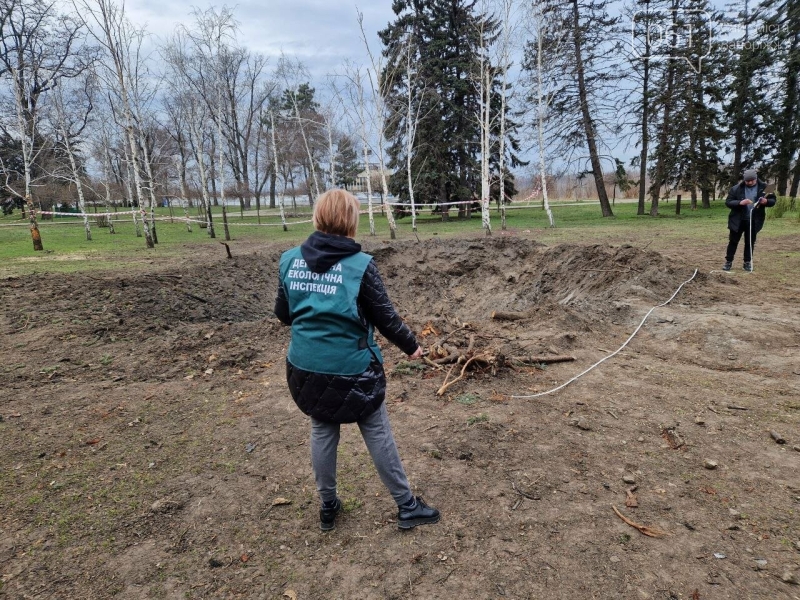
405	367
351	504
106	359
480	418
67	250
468	399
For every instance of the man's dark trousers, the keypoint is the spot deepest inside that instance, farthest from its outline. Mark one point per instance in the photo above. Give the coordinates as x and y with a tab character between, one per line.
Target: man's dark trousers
733	242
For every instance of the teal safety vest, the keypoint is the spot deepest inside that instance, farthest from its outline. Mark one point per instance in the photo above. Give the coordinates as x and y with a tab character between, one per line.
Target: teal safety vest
327	333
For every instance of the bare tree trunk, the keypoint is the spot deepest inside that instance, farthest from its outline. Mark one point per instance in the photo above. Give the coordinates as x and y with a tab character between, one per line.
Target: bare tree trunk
787	140
486	78
540	123
588	122
27	160
182	180
645	131
659	178
506	9
79	186
369	194
332	162
376	84
150	182
197	147
272	185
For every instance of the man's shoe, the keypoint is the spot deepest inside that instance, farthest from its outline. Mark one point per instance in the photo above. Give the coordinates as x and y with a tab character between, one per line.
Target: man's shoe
419	513
728	265
748	266
327	515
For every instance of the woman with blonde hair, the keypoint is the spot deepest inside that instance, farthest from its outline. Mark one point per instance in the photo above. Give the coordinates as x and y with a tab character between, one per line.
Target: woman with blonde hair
333	297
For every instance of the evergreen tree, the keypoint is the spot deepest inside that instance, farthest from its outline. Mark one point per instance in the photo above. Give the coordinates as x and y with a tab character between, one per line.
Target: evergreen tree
703	96
748	111
445	38
782	28
347	164
512	150
646	16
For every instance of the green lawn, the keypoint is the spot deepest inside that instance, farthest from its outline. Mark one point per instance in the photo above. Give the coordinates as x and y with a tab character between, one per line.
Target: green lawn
66	248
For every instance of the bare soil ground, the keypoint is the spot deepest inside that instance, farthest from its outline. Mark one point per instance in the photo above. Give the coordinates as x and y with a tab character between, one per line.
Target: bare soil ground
150	448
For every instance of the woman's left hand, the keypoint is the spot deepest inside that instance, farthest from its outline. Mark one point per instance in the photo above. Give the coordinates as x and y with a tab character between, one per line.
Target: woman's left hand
417	353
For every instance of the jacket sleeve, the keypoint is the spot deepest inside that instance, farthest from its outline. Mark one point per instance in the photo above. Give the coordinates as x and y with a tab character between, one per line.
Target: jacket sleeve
282	306
378	309
732	201
772	199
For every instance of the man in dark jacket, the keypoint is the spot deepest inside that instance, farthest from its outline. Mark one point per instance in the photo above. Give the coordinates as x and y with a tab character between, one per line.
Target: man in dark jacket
747	202
333	297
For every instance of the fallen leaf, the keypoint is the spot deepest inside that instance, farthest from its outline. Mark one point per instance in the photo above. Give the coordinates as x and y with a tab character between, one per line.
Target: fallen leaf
630	500
696	595
429	329
244	558
291	594
92	442
209	371
281	502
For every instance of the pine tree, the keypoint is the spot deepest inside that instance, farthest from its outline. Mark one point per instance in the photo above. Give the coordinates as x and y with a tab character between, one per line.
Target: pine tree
348	165
782	29
748	110
703	97
444	36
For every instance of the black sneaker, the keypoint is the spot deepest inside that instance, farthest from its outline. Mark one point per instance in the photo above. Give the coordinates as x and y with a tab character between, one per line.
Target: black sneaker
327	516
748	266
420	514
728	265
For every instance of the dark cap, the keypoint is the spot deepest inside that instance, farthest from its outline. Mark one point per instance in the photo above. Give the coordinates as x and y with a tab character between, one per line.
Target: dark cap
750	174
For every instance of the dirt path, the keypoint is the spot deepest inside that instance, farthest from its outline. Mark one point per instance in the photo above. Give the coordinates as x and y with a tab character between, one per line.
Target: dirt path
150	449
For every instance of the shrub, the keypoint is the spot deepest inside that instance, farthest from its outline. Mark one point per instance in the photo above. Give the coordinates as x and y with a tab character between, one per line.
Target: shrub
783	205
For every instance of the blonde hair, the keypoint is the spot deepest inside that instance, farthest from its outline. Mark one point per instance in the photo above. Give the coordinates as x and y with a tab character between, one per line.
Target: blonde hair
336	211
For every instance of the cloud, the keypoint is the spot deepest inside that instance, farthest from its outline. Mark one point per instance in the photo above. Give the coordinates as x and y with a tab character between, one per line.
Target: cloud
321	33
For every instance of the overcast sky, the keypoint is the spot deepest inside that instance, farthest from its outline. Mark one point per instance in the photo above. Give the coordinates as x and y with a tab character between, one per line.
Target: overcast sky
322	33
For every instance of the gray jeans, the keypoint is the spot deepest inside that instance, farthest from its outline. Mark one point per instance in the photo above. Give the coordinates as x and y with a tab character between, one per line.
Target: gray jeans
377	434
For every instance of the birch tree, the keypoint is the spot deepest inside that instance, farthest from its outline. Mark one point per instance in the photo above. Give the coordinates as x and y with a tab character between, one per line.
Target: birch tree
121	43
38	45
555	40
380	82
357	97
71	119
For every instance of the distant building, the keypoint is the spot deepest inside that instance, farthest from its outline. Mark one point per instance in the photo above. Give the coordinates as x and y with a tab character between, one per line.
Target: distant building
360	184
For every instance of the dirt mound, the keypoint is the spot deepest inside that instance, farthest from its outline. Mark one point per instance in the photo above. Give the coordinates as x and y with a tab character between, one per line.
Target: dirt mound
174	312
471	279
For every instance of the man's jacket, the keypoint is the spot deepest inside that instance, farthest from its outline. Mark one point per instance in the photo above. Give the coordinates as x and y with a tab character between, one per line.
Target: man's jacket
739	214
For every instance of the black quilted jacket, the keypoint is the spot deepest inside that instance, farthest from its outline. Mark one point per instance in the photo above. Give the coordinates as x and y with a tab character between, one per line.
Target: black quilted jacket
345	398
